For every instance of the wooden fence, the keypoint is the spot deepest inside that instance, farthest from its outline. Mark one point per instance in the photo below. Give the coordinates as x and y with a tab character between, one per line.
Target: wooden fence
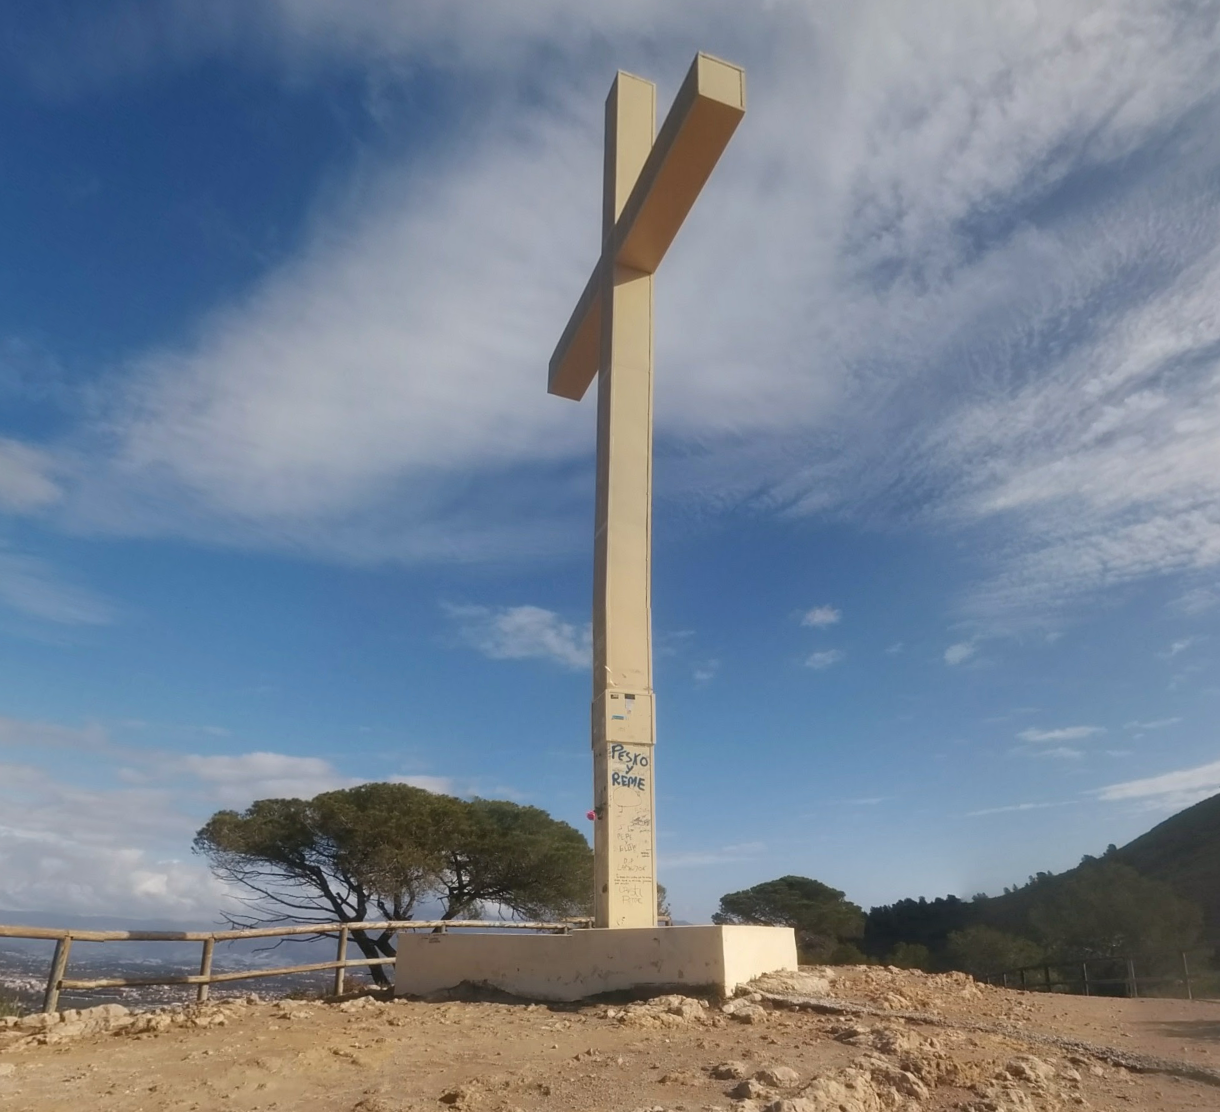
1074	977
57	981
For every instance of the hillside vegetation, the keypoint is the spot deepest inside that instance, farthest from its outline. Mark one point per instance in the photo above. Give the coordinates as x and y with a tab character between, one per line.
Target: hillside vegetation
1184	852
1150	899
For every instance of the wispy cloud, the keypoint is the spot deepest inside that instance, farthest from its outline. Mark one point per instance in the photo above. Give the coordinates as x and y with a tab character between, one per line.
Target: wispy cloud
1179	647
26	481
1000	351
705	671
821	616
723	855
1063	733
1170	790
523	633
1198	600
32	588
960	652
1156	724
822	660
1011	808
242	778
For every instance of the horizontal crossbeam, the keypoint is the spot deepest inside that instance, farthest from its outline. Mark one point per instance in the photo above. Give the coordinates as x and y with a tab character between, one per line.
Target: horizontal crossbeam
705	113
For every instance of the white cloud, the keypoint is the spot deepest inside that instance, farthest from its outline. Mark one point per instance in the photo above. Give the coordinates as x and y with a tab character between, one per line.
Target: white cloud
236	781
68	848
960	652
819	661
821	616
1179	647
25	477
895	648
119	844
1064	733
1170	790
523	633
980	295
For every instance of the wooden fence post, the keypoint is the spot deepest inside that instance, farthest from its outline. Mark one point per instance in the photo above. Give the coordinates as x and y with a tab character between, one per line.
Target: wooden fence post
341	955
59	963
1046	969
1186	976
205	969
1022	972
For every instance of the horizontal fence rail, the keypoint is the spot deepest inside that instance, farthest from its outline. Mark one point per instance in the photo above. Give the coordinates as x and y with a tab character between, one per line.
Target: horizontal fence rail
1038	978
57	981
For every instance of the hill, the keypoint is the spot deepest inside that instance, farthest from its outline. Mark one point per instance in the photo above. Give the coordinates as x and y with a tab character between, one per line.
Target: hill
1184	852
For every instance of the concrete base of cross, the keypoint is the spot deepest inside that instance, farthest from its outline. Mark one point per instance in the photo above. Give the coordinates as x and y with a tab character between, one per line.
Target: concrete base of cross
587	963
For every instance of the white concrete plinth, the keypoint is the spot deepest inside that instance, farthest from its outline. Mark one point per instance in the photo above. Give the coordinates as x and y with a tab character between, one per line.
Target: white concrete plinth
589	962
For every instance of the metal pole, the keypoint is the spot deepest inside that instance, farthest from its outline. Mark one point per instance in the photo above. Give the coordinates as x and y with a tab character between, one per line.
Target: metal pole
341	955
1186	976
59	963
1005	978
1046	969
1135	991
1022	972
205	969
1084	971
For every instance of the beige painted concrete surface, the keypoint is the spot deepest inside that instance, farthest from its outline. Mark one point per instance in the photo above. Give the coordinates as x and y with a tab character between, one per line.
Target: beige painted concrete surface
589	962
648	189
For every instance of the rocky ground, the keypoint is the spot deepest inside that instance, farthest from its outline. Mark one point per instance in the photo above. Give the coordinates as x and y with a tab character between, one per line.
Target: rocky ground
824	1040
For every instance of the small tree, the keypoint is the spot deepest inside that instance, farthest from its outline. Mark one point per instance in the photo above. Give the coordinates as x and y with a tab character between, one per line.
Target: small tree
379	850
980	950
910	955
821	916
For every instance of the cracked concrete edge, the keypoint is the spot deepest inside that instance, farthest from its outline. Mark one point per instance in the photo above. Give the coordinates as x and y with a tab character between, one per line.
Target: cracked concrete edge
1137	1063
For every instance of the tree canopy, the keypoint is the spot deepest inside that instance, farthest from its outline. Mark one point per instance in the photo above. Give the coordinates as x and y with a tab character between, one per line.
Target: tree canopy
1106	909
824	920
981	950
377	851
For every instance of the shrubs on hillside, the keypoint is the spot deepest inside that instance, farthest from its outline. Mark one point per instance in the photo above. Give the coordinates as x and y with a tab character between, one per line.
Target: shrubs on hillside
1101	909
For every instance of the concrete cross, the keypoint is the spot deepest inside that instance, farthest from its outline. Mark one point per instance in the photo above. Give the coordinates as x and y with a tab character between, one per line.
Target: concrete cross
648	189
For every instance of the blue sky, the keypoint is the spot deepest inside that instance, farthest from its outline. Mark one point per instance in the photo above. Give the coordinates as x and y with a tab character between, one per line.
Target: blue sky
284	504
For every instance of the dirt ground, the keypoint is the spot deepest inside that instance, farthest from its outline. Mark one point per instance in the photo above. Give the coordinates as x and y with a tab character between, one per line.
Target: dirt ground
795	1045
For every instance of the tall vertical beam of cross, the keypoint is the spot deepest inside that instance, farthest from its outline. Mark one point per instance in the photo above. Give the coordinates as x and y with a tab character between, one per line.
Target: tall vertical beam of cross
648	189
